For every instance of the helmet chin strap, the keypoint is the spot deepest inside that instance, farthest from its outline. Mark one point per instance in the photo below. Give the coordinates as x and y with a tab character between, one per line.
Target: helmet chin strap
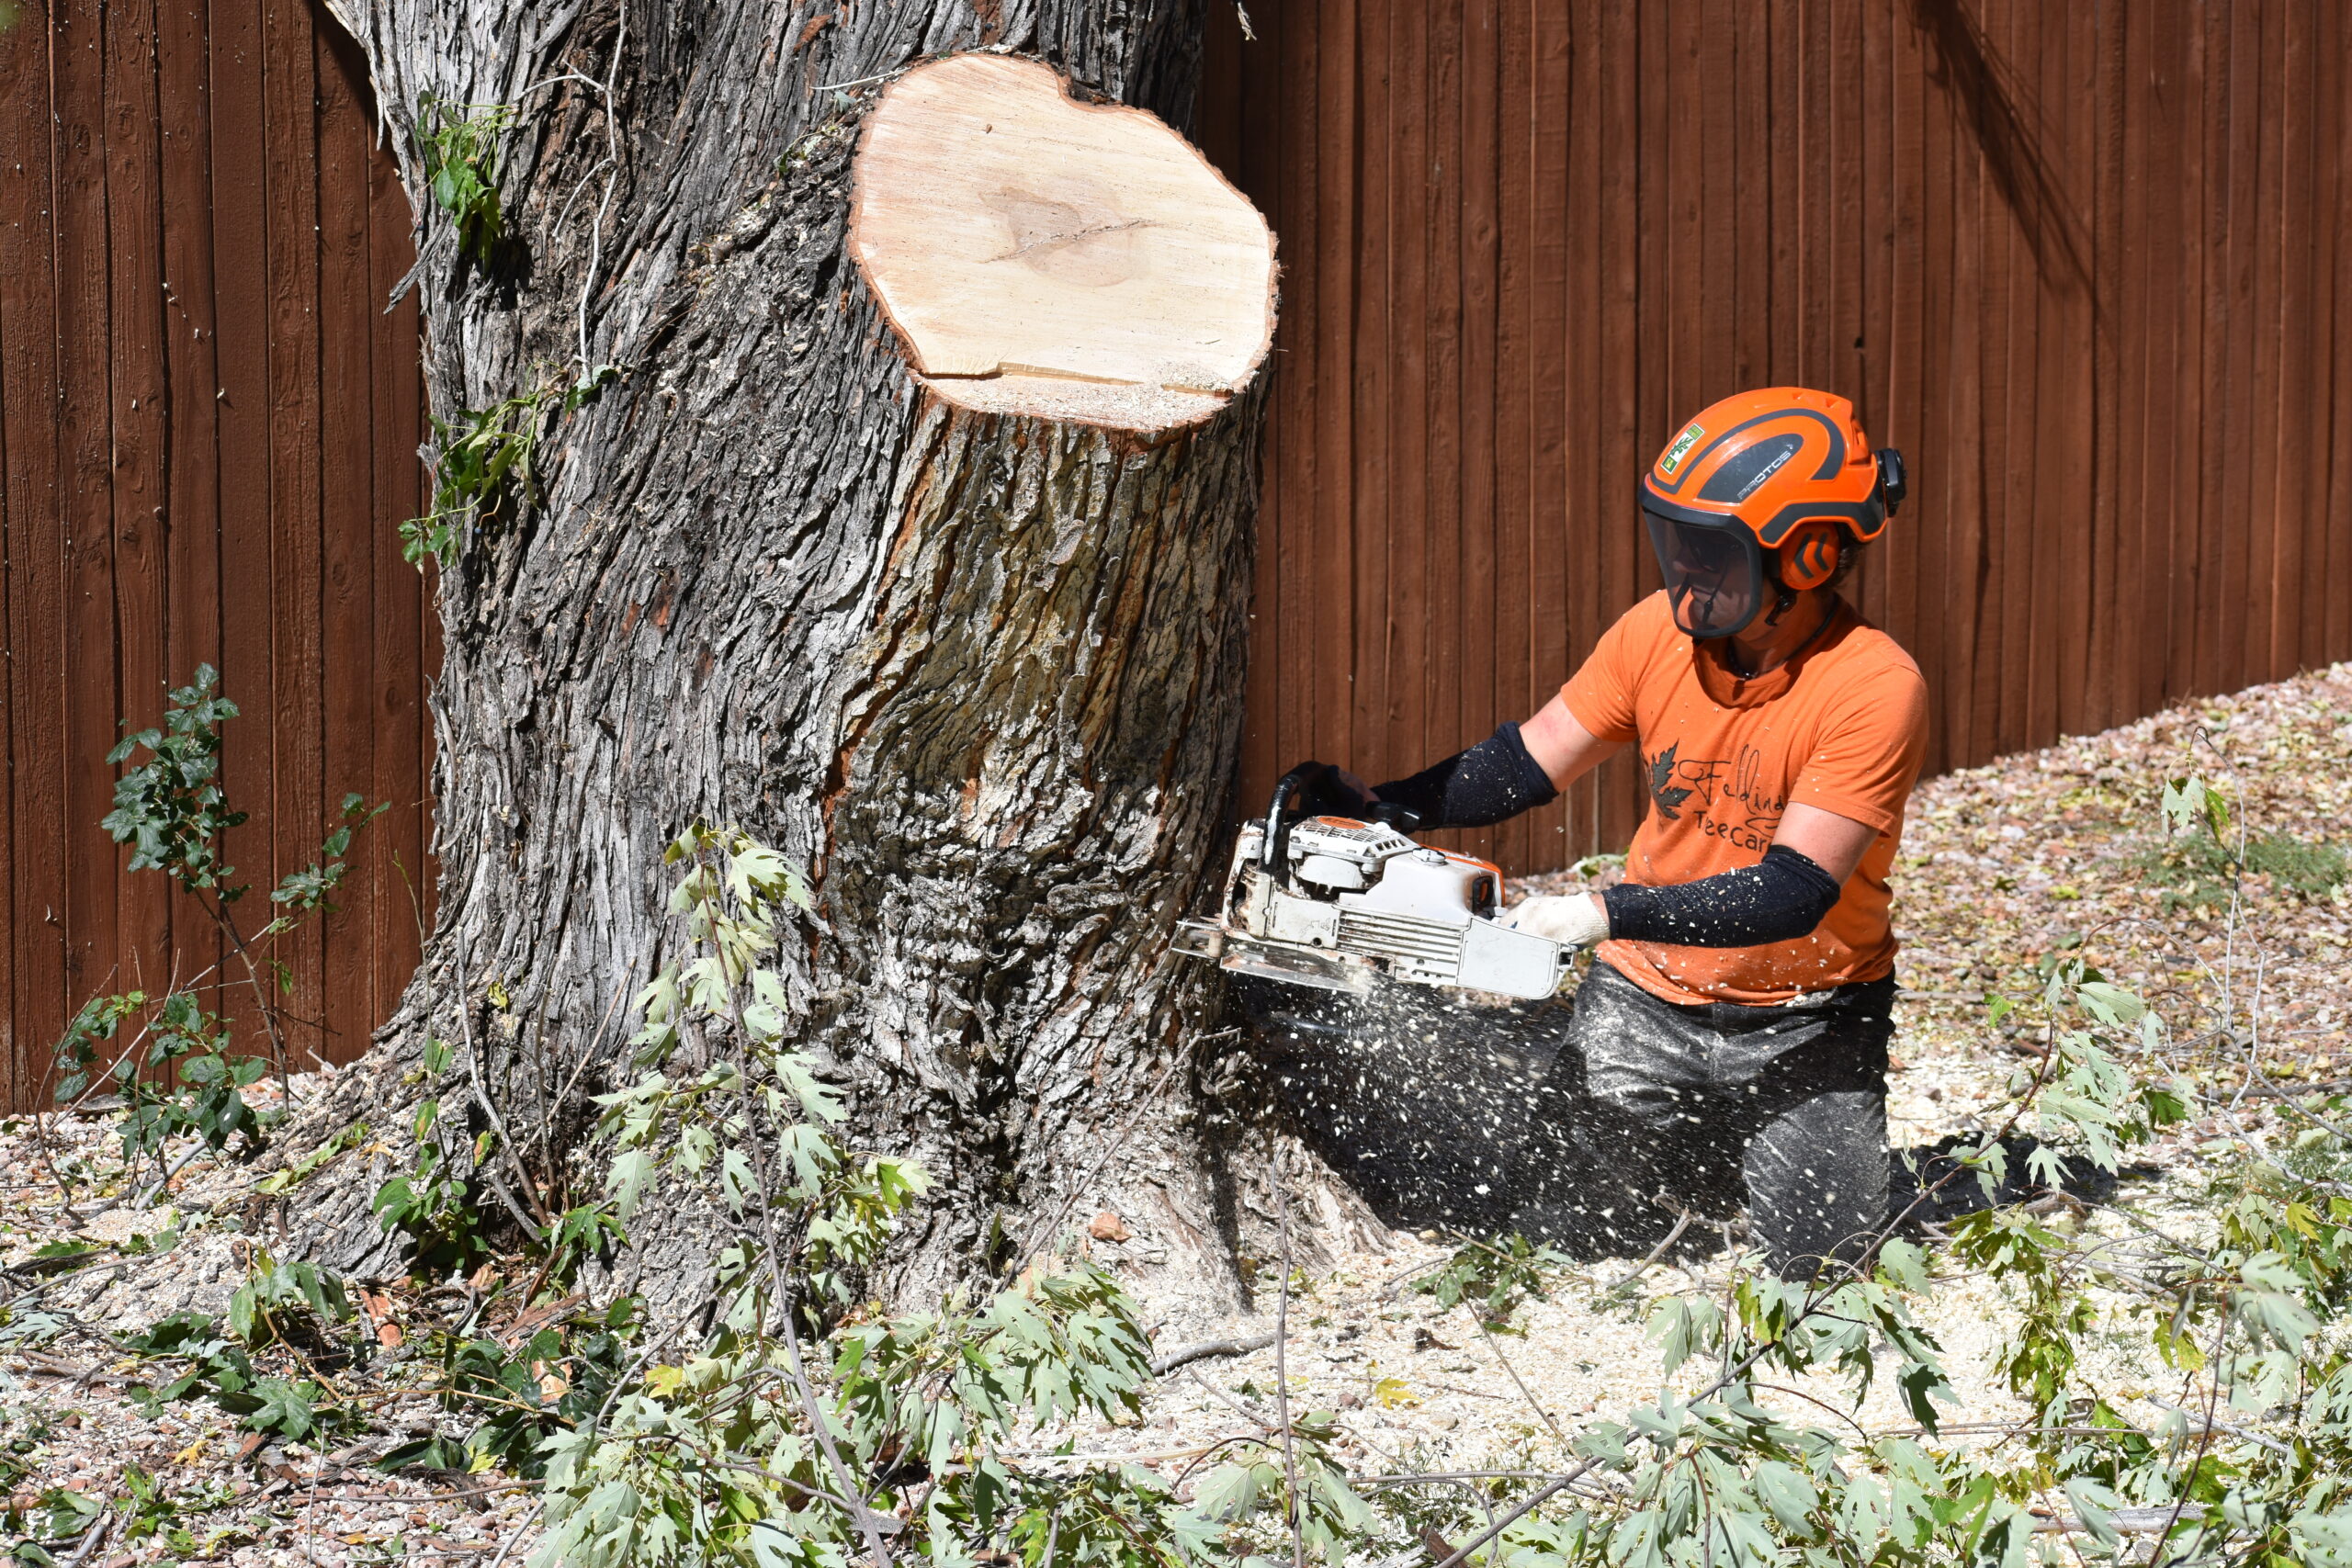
1783	599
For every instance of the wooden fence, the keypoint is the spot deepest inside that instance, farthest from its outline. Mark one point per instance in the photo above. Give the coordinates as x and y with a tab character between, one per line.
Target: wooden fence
208	433
2084	264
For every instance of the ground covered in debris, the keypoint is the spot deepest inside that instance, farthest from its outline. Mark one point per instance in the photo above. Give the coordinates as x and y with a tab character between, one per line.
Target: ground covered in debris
86	1434
2051	853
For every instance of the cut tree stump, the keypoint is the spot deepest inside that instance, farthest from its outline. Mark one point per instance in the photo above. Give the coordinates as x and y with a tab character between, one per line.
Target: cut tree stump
923	555
1037	255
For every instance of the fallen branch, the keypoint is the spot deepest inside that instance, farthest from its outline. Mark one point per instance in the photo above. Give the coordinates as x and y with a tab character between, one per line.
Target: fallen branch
50	1367
1208	1349
94	1538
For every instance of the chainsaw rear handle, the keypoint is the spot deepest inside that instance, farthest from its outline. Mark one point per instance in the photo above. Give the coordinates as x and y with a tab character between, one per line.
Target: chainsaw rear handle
1321	787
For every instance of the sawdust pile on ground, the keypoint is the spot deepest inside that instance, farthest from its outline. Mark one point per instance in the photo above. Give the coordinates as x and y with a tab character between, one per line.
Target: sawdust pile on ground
2053	850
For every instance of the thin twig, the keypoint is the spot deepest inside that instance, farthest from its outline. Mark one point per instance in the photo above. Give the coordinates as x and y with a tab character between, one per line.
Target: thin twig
2204	1440
1256	1418
1281	1375
146	1199
1044	1235
93	1538
1681	1223
1419	1478
1525	1391
516	1534
481	1088
861	82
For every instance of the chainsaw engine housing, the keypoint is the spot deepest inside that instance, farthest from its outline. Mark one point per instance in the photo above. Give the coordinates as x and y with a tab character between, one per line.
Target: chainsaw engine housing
1338	902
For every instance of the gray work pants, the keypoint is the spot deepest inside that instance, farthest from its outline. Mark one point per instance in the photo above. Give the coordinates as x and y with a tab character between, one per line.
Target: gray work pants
1666	1108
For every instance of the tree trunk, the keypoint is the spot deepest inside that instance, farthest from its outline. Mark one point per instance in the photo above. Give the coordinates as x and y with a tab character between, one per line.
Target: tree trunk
979	672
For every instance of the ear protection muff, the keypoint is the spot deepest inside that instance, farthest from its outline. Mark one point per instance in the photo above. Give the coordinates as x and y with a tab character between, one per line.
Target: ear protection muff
1810	557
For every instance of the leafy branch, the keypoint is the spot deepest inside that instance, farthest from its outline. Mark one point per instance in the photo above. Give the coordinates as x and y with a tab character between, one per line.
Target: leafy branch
459	143
485	466
170	1057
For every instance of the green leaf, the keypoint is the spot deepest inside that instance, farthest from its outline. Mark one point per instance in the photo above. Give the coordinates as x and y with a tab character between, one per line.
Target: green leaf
2110	1003
1684	1326
1228	1493
624	1181
1903	1266
2095	1505
243	1304
285	1408
1788	1493
1635	1543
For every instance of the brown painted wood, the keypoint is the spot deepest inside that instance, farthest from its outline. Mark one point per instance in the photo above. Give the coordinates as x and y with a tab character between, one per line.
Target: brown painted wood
2327	210
2081	263
192	631
85	517
349	1003
138	427
30	496
241	407
168	498
1541	340
290	245
2334	342
1327	657
398	897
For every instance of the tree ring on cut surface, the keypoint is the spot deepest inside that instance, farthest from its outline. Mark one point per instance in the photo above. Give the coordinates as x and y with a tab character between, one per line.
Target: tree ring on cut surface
1041	256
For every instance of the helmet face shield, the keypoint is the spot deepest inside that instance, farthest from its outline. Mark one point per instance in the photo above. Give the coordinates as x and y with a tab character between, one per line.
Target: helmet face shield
1714	576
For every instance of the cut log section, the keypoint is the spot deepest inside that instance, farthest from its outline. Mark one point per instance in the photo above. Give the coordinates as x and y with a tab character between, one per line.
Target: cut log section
1066	261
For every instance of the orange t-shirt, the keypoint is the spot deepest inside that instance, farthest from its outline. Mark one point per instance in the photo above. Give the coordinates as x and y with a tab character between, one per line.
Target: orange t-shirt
1842	726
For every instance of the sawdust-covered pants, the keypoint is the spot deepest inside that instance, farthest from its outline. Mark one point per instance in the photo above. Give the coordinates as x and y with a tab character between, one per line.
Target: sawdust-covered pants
1697	1107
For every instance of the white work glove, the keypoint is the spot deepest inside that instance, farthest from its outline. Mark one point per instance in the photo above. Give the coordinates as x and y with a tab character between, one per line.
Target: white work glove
1574	919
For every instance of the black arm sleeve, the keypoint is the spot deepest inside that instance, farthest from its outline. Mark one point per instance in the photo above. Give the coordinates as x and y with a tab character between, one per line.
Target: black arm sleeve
1779	899
1493	780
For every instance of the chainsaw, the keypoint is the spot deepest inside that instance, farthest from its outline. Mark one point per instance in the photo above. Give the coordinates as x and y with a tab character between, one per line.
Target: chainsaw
1335	902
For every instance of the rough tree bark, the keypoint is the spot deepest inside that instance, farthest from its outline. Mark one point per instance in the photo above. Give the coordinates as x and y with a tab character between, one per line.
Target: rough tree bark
980	675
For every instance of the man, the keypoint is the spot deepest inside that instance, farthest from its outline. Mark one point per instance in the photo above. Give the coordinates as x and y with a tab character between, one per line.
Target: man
1734	1032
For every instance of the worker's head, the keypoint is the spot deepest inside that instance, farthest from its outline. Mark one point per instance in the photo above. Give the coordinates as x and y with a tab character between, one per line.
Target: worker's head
1762	497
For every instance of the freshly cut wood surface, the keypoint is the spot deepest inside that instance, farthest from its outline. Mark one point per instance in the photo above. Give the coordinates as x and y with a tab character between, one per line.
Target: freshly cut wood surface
1042	256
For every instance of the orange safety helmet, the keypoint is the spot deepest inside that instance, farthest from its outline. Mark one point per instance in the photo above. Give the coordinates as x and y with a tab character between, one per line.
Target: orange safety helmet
1782	469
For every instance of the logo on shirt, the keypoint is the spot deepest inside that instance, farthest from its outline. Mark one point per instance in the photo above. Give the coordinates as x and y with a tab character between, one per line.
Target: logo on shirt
1733	801
1662	791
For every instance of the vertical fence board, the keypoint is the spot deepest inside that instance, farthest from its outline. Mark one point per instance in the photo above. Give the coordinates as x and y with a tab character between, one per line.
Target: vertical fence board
35	559
2289	446
290	157
136	482
1486	683
84	397
190	328
349	527
1345	418
2334	343
399	897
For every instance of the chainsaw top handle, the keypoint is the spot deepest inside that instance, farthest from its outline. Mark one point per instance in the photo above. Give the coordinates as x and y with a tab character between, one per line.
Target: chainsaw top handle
1321	789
